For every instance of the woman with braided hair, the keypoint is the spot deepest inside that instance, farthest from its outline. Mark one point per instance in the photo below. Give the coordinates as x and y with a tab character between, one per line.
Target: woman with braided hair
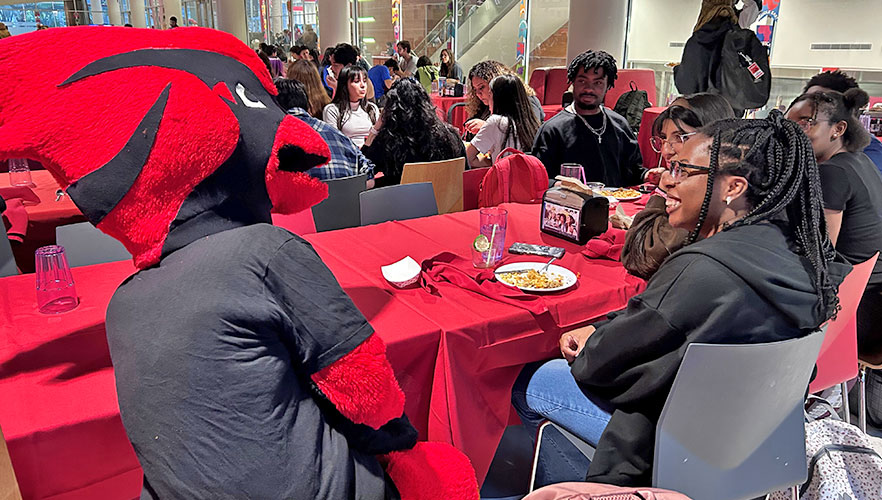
757	267
852	195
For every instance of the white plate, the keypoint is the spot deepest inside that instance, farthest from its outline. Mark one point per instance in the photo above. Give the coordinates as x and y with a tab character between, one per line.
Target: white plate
403	273
568	276
632	198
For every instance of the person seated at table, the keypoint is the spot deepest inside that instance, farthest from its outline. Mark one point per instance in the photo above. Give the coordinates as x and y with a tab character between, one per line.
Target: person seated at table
852	195
586	133
758	267
306	73
382	76
450	69
838	81
426	73
349	111
409	131
478	96
325	71
346	159
342	56
651	238
512	124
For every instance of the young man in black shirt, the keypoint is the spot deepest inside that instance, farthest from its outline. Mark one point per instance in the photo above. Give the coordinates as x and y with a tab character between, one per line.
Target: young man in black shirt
586	133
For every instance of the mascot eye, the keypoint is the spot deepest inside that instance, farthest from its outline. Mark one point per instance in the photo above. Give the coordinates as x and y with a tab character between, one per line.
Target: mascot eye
247	101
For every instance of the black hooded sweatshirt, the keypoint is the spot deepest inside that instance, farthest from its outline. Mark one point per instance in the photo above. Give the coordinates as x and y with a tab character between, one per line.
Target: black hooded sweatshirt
741	286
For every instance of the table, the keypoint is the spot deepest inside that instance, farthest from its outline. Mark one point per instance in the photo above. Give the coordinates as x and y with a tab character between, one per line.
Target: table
43	218
456	355
443	104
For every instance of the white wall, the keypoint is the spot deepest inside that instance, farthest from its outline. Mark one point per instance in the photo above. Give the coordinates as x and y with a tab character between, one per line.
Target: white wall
656	23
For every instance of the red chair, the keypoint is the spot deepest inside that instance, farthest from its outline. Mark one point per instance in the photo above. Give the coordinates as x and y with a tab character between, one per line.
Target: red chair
651	159
838	359
457	116
471	187
643	78
874	100
300	223
537	82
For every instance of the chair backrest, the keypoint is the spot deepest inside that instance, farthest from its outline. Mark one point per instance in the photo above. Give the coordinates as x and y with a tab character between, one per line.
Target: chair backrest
341	209
471	187
556	84
733	424
643	78
8	485
446	179
7	259
838	360
85	245
537	82
400	202
457	116
300	223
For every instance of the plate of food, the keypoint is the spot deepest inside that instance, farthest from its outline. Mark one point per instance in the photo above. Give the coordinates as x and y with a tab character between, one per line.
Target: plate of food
526	276
622	194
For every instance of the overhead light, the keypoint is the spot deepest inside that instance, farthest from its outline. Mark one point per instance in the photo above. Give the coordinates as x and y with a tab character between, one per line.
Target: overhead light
368	40
368	19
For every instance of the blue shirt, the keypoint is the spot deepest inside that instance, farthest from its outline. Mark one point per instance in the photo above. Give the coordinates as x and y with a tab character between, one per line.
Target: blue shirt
874	151
346	159
378	75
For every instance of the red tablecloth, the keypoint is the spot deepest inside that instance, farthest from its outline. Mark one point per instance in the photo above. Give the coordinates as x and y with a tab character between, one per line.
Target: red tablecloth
443	104
455	355
43	218
650	157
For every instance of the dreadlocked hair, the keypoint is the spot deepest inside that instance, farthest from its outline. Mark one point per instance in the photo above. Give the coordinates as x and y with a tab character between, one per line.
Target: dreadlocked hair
591	59
776	158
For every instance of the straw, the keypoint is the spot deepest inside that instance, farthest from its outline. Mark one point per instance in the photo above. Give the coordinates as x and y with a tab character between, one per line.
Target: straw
490	252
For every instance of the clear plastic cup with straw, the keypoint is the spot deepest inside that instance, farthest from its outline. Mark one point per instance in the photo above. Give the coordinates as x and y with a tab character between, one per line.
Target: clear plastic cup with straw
489	246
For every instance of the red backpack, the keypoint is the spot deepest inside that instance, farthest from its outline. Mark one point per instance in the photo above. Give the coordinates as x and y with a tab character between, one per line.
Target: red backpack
517	178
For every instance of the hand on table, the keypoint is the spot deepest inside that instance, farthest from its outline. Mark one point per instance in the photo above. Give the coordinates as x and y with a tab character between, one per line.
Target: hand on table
653	176
572	342
474	125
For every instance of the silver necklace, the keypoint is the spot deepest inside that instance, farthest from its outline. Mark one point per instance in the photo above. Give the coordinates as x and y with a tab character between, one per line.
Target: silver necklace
597	132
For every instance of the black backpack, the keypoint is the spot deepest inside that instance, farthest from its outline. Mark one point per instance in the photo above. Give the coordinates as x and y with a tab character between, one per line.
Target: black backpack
743	76
631	105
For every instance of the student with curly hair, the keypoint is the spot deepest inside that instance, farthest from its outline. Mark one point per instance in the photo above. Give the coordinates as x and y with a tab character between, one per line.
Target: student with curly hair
586	133
408	131
512	124
478	97
852	195
838	81
758	267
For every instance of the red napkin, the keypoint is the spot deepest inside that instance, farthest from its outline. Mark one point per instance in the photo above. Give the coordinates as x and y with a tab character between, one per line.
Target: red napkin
17	217
447	267
608	245
26	194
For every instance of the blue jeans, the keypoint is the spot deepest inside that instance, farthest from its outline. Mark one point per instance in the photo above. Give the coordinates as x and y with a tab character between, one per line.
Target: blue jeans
548	390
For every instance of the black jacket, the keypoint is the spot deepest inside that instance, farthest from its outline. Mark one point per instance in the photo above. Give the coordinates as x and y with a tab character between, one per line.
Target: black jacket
697	71
744	285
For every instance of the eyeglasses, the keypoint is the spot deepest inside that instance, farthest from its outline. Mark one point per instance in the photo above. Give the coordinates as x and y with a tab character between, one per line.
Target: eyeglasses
681	171
677	140
806	124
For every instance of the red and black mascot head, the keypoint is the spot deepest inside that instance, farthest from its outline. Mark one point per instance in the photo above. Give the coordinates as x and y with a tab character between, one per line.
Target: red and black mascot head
160	137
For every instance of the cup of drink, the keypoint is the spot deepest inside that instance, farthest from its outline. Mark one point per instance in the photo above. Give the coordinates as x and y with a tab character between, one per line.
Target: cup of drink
490	244
442	82
573	170
20	173
56	292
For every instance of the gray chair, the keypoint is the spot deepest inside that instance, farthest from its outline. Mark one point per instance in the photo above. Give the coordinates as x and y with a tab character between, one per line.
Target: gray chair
85	245
404	201
7	260
733	427
341	209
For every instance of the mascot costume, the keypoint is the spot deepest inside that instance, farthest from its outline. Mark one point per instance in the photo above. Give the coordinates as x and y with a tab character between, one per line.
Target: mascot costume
242	368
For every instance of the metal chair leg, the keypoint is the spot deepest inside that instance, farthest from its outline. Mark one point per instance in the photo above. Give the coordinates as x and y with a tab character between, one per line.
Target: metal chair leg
845	408
539	434
862	411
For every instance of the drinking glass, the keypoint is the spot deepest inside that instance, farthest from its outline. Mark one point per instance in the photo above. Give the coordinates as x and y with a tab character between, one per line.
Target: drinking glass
493	224
55	286
20	173
573	170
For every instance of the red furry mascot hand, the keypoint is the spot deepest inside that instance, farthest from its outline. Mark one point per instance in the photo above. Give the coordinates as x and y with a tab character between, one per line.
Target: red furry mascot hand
362	386
431	471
